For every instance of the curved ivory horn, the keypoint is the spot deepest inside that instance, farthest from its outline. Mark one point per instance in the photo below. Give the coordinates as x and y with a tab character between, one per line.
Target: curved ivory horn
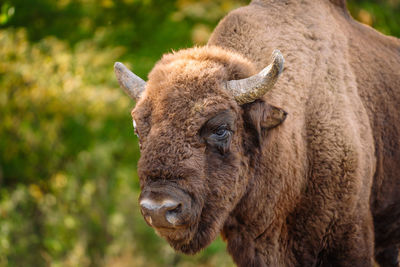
252	88
131	83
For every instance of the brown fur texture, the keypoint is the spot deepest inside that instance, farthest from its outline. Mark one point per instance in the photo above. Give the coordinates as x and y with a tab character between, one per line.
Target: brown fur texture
321	188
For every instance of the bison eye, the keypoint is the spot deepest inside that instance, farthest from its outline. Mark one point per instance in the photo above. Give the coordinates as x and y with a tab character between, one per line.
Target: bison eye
134	128
220	139
218	131
221	133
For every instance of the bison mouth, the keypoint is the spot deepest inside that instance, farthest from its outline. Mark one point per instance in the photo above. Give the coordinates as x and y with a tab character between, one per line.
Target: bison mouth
172	212
187	221
177	237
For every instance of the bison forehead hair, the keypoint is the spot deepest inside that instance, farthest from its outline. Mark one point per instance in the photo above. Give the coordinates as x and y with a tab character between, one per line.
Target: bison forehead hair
182	78
183	105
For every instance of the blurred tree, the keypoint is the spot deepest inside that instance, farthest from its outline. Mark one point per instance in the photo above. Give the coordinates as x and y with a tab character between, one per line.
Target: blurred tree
383	15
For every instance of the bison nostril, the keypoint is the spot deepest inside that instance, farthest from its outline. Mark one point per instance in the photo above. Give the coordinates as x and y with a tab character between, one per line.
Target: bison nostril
172	214
149	220
176	209
161	214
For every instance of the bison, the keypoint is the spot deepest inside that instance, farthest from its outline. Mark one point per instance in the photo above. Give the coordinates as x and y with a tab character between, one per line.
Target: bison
303	170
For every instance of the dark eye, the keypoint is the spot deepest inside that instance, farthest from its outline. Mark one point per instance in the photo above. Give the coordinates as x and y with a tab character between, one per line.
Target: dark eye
221	133
134	128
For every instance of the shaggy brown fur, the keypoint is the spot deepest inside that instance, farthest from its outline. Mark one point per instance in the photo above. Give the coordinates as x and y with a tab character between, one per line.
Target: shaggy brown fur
321	188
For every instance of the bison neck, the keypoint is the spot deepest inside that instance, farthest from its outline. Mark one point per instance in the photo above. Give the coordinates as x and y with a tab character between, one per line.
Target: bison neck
257	230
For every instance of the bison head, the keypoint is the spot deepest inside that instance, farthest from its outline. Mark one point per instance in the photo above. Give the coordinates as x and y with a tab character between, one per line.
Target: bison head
199	119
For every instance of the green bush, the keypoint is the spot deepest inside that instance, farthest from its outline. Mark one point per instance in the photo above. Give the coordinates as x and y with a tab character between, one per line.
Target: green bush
68	156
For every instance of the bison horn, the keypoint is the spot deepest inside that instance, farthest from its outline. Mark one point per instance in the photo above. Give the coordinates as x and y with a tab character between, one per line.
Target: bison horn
131	83
252	88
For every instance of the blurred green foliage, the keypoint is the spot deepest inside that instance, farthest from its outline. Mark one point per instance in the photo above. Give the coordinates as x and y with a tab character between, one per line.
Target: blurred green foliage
68	182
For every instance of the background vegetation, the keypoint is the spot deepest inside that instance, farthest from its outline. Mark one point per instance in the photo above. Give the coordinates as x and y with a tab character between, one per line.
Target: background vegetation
68	182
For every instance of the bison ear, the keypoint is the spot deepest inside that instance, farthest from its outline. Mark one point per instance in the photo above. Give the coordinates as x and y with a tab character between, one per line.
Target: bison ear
272	116
261	116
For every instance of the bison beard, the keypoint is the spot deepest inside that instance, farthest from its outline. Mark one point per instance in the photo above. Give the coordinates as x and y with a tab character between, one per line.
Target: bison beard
300	171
